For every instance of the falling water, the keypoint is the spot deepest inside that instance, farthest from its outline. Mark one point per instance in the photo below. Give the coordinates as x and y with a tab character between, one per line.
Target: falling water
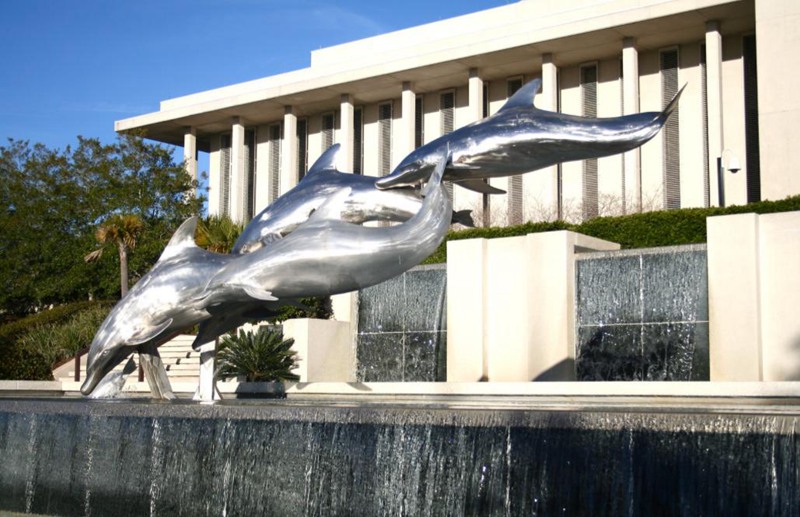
402	328
643	315
283	458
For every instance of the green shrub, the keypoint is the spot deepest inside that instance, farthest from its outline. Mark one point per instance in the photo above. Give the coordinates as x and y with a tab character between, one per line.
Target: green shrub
58	341
319	308
645	230
260	356
31	346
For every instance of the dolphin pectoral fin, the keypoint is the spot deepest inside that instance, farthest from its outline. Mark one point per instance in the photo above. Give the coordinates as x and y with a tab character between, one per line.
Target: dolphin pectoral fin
477	185
672	105
149	333
523	98
464	218
259	294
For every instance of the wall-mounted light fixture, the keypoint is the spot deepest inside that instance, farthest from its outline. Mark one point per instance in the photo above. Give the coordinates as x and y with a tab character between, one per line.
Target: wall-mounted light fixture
733	165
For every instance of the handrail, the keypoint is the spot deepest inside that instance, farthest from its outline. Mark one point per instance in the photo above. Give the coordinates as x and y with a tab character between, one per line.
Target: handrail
81	353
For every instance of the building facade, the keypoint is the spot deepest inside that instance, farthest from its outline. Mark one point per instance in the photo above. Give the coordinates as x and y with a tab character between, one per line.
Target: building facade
383	96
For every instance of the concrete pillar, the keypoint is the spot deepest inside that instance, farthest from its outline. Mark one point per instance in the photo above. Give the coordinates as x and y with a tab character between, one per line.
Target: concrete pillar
408	101
733	305
466	310
548	100
632	197
238	191
716	140
475	96
190	152
289	174
346	133
511	306
324	350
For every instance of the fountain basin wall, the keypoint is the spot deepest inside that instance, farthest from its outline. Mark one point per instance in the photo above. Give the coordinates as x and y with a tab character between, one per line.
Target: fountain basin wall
78	458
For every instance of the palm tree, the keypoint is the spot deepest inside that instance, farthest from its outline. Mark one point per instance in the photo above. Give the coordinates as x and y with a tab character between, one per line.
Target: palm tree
122	230
218	233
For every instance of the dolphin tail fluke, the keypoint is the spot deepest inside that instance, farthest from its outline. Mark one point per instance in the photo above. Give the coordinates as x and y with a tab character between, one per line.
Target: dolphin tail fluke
671	106
464	218
436	176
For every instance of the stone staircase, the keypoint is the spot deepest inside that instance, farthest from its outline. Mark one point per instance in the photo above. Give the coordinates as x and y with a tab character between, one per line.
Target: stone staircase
180	360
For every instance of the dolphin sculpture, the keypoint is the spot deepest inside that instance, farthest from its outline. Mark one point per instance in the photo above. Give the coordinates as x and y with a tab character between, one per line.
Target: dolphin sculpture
520	138
365	203
156	308
327	255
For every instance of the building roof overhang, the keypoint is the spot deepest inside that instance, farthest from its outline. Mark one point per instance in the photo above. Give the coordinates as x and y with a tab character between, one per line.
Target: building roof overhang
499	43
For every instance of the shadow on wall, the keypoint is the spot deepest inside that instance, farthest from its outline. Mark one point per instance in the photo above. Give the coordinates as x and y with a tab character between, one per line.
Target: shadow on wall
562	371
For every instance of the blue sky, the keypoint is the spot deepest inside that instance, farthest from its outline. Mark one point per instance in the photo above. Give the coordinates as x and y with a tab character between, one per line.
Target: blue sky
74	67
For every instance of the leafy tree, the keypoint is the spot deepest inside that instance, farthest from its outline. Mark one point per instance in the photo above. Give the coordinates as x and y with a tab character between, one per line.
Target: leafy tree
52	201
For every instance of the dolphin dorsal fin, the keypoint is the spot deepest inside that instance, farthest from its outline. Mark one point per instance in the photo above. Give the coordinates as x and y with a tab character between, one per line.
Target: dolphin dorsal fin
332	207
326	162
523	98
181	240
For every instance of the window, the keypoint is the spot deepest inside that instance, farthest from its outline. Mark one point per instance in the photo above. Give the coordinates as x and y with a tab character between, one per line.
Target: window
589	109
302	148
225	175
274	161
447	105
358	141
384	138
753	153
250	173
419	122
328	122
515	185
671	140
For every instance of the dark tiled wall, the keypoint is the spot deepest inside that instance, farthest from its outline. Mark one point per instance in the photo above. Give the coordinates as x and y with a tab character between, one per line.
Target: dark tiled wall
643	315
402	328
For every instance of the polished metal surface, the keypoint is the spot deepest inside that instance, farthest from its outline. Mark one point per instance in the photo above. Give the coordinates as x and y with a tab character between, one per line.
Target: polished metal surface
365	203
327	255
324	255
520	138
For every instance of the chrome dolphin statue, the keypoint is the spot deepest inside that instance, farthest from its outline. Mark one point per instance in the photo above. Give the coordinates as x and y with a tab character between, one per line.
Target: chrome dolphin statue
365	203
326	255
520	138
155	309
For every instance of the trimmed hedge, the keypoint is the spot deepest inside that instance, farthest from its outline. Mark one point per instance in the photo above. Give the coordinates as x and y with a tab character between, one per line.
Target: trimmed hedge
645	230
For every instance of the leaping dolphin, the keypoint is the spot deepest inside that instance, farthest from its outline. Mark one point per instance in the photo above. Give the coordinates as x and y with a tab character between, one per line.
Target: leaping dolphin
327	255
157	307
365	203
520	138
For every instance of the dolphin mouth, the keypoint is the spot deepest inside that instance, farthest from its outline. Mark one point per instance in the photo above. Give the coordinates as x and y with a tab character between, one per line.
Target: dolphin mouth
96	372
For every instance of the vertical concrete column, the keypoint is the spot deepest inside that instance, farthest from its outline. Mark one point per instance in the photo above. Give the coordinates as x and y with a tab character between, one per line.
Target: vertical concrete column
346	135
779	294
190	152
716	140
289	174
733	298
408	120
324	350
548	100
632	196
551	289
238	191
475	96
466	310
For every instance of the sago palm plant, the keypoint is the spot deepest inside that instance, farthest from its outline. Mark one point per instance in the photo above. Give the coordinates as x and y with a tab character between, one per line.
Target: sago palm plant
261	356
